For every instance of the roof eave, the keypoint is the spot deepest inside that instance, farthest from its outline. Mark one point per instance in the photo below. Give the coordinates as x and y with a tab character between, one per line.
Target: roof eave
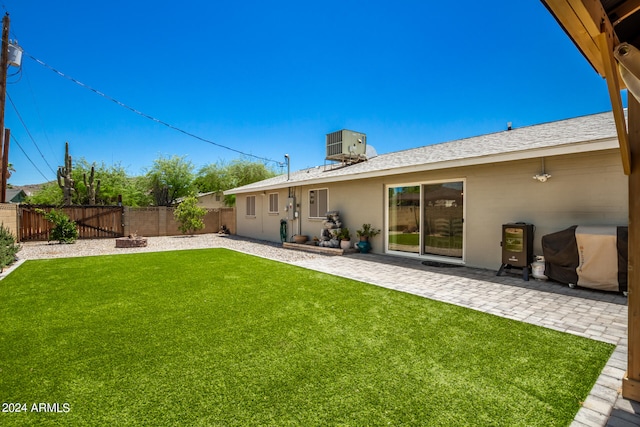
569	148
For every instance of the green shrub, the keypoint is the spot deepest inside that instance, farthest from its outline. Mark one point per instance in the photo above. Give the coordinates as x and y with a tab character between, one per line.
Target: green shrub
8	247
189	215
64	230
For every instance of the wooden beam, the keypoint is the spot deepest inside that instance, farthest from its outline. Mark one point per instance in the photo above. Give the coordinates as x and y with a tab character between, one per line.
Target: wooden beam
592	15
631	383
569	20
605	42
625	10
583	21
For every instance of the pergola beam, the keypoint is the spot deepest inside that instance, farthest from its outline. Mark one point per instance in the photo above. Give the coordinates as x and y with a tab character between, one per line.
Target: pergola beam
625	10
631	382
588	25
583	21
605	43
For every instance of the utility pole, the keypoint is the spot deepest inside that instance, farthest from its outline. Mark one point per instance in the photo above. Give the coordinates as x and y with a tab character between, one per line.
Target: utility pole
4	65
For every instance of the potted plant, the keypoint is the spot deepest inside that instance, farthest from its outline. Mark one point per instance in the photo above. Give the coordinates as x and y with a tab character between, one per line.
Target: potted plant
345	238
364	234
300	238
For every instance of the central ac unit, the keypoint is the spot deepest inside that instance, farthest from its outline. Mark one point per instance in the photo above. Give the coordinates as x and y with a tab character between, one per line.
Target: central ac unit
346	145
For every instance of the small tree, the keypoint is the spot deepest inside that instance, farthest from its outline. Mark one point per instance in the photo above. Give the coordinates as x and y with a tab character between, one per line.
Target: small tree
170	178
49	194
8	247
189	215
64	230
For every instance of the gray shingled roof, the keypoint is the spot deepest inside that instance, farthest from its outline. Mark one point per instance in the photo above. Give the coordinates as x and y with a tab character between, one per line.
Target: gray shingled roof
580	134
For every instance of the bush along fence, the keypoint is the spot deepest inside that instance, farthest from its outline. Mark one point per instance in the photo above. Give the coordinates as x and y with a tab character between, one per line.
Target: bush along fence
99	222
160	221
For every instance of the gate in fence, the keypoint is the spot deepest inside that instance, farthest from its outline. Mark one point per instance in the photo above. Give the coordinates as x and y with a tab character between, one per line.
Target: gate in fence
94	222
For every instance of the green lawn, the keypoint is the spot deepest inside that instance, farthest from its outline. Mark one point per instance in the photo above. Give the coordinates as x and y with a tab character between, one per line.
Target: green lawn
214	337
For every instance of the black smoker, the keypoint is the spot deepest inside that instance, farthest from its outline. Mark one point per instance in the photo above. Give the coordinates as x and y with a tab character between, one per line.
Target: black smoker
517	247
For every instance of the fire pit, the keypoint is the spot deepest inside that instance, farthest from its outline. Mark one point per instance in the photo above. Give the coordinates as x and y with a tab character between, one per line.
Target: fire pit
131	241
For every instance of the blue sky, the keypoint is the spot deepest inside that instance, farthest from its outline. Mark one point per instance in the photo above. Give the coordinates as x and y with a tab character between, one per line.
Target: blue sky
269	78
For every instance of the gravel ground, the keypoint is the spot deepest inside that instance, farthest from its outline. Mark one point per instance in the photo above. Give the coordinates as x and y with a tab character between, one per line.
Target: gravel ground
40	250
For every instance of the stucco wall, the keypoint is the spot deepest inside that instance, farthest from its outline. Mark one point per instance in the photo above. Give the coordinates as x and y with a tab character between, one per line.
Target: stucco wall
9	217
159	221
211	201
264	225
585	189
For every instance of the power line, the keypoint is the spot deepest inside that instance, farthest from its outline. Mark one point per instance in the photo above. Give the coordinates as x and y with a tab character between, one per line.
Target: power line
140	113
28	158
29	133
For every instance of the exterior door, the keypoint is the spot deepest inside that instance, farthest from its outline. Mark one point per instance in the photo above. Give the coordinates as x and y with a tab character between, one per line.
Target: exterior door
442	206
403	231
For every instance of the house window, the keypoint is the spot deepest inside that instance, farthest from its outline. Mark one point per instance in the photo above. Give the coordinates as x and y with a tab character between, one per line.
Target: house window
217	197
318	203
273	203
251	205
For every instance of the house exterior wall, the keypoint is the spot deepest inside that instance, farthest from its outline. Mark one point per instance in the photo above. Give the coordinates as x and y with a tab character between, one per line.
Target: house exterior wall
264	225
585	189
211	201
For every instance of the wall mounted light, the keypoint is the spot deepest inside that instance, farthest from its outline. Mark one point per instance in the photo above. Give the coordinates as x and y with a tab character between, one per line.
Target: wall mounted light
542	177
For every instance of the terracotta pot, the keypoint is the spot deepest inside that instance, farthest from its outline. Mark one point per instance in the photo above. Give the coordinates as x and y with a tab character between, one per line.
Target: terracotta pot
300	238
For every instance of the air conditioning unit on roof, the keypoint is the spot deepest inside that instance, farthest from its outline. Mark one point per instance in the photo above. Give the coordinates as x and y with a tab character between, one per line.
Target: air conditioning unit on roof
346	145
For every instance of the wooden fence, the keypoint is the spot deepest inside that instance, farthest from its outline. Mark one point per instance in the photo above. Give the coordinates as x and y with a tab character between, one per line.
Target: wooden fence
94	222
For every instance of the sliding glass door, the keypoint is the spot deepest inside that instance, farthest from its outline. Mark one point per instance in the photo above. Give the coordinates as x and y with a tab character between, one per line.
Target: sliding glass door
426	219
442	206
404	219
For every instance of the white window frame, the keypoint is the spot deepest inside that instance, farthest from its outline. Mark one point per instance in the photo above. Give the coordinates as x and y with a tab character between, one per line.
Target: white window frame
421	255
250	206
274	201
313	200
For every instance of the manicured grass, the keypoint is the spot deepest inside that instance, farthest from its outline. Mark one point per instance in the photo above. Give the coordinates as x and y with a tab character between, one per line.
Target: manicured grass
214	337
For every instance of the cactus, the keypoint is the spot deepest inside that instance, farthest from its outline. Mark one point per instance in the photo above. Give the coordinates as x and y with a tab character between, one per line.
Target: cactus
91	190
65	180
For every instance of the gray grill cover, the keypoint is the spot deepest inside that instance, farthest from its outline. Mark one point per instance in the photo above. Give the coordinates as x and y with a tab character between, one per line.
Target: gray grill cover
563	262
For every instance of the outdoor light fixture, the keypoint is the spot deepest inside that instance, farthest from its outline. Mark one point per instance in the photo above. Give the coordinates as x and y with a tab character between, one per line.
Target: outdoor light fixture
629	64
542	177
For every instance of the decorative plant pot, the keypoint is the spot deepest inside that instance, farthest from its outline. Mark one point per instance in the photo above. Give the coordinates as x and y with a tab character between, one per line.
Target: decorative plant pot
345	244
364	246
300	238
